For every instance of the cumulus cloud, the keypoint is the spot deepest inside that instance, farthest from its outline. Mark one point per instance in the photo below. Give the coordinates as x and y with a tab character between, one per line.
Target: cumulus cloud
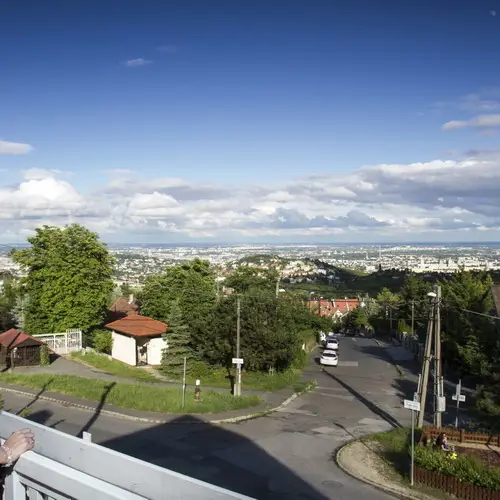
481	121
14	148
377	202
134	63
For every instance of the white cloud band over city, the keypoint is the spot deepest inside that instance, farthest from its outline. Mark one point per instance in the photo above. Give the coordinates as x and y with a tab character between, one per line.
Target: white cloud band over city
395	202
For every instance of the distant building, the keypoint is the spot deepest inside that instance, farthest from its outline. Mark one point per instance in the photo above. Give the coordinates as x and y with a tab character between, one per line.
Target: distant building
334	308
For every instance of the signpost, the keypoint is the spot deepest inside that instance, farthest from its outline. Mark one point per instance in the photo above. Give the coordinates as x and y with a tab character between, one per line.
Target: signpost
238	362
413	406
459	398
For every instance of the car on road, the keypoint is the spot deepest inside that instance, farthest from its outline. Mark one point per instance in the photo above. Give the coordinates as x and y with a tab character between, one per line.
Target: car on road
329	358
332	343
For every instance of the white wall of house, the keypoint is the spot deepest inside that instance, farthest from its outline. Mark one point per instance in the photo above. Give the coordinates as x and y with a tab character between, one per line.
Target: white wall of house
155	348
124	348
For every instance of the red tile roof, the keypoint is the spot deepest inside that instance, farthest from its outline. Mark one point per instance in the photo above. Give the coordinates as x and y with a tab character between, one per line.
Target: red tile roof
15	338
331	307
138	326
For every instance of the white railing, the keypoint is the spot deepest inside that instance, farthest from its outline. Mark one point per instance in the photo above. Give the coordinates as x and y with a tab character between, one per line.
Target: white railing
63	343
63	467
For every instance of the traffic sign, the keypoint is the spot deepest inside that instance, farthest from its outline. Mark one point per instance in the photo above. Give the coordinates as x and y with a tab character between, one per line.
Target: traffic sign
237	361
461	398
411	405
441	404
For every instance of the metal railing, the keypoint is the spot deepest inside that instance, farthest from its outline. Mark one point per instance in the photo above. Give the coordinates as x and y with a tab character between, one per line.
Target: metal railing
64	467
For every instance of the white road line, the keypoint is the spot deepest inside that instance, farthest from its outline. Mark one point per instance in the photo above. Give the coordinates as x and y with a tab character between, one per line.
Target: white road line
349	363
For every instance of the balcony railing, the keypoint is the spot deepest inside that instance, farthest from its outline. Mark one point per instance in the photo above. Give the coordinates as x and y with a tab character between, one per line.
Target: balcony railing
63	467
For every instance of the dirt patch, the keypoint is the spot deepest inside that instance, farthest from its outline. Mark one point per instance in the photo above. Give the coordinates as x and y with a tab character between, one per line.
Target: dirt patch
487	456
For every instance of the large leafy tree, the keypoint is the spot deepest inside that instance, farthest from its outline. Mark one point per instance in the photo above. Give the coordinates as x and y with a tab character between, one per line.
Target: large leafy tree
414	301
178	340
8	301
192	284
69	279
245	279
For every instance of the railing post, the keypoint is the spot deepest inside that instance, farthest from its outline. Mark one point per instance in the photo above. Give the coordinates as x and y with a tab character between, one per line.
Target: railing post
14	490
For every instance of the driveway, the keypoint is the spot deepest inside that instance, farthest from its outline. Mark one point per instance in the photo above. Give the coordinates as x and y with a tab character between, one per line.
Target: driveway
286	455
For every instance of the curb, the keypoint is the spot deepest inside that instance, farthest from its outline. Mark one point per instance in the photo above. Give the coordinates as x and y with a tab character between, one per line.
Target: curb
398	368
231	420
386	489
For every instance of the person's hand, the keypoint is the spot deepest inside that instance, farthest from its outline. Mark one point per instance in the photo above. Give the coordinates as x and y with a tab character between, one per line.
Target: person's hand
18	443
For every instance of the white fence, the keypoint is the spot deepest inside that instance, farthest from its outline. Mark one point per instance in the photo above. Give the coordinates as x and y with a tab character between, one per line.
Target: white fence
63	467
63	343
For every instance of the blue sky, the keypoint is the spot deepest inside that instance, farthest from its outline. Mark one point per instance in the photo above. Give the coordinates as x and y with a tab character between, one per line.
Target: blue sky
234	94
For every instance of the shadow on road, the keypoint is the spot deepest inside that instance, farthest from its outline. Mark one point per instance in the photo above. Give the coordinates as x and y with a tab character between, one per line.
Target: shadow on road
98	410
34	400
369	404
218	456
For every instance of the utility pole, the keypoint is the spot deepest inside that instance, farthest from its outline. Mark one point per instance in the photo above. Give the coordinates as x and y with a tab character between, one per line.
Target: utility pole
237	384
390	319
426	367
413	317
437	356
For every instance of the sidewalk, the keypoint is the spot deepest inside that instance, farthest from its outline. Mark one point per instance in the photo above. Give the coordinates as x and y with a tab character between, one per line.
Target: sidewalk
272	402
359	460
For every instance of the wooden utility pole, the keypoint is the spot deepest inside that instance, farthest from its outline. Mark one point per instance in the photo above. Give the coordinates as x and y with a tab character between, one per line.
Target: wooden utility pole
237	384
426	367
413	317
437	356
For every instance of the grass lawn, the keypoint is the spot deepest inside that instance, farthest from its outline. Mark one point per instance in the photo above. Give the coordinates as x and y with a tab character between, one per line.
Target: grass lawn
137	396
114	367
249	380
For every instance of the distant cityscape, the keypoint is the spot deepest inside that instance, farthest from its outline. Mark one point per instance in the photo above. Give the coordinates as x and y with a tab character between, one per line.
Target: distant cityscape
136	262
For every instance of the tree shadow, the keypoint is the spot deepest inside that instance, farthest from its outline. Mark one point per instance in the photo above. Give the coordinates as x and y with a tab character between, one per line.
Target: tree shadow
381	352
35	399
98	409
369	404
216	455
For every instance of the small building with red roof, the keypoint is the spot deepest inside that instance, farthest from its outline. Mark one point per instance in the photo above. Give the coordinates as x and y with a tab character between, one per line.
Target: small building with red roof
23	349
137	340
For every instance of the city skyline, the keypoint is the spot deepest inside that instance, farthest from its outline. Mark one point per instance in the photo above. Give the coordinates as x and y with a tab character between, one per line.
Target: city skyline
195	123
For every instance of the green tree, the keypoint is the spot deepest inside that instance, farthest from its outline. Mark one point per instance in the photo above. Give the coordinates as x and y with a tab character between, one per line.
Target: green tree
178	339
414	295
245	278
8	300
388	303
69	279
191	283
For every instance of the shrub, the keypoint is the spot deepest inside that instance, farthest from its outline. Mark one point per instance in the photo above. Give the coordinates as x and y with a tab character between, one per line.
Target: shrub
44	355
102	341
464	468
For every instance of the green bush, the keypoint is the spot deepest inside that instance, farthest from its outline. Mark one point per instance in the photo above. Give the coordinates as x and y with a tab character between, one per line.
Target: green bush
464	468
204	371
44	355
102	341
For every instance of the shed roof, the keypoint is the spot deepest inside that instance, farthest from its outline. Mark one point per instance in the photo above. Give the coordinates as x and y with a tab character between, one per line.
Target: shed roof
138	326
16	338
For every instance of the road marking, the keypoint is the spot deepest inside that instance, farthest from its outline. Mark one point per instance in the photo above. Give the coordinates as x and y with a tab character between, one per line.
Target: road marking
338	396
354	340
299	412
348	363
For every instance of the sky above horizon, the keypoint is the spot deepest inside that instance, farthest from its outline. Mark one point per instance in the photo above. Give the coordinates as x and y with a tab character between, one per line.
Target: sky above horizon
241	121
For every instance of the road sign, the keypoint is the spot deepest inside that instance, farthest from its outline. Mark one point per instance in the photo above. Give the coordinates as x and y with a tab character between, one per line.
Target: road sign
237	361
411	405
461	398
441	406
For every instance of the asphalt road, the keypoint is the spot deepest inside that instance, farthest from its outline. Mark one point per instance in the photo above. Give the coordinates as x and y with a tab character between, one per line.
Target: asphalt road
286	455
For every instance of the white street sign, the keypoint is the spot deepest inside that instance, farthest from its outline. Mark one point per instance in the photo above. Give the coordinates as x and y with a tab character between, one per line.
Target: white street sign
461	398
411	405
237	361
441	404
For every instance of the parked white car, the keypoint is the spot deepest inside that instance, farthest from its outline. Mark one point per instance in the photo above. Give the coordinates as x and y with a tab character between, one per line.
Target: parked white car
332	343
329	358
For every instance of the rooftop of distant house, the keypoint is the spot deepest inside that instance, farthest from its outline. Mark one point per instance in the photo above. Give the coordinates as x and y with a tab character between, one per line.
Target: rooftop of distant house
136	325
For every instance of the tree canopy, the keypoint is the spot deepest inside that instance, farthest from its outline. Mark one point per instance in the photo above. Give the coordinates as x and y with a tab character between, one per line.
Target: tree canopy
69	279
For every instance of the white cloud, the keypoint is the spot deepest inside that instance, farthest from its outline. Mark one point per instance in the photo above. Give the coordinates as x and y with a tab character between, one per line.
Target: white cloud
134	63
378	202
481	121
118	171
14	148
